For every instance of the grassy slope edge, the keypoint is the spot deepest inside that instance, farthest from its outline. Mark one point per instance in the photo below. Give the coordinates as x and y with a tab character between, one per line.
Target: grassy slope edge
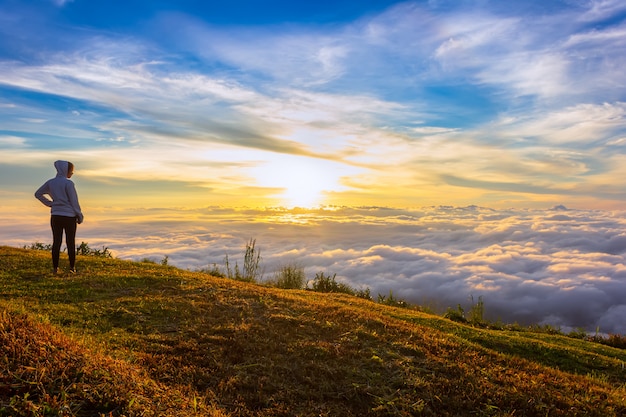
127	338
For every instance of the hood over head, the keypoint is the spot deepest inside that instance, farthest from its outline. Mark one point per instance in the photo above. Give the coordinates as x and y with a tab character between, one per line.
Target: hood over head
62	168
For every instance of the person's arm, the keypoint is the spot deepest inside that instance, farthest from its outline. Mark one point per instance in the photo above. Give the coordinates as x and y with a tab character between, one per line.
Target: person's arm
43	195
73	197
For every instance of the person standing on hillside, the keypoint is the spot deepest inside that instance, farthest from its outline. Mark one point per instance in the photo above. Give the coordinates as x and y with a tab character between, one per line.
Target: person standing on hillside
59	193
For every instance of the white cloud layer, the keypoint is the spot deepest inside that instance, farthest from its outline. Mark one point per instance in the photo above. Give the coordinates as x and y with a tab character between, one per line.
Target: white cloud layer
560	267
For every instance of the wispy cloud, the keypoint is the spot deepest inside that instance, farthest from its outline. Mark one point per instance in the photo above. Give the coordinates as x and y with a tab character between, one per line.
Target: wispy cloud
61	3
599	10
377	98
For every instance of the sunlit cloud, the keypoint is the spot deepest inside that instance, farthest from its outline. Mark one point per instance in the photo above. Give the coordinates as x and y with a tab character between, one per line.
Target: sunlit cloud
133	93
12	141
560	267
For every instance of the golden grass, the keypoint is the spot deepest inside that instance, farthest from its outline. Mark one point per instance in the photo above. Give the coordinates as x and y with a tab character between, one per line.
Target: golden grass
47	373
133	339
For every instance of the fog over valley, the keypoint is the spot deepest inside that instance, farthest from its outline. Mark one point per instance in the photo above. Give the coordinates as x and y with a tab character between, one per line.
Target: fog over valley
562	267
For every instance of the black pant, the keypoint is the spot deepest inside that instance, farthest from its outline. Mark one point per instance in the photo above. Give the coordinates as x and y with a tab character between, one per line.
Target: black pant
59	224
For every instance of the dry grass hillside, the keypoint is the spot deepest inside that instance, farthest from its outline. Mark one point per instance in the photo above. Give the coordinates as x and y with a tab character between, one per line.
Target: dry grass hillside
138	339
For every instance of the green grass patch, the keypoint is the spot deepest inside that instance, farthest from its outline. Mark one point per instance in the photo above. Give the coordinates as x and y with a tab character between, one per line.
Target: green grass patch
136	339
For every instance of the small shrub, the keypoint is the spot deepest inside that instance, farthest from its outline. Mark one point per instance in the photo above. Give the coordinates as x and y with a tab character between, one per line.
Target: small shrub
613	340
616	341
251	265
215	271
545	328
327	283
290	277
474	316
457	315
39	246
147	261
323	283
84	250
390	300
477	312
365	294
251	262
578	334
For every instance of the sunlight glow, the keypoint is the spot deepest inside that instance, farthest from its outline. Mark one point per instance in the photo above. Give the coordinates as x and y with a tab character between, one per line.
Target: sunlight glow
300	182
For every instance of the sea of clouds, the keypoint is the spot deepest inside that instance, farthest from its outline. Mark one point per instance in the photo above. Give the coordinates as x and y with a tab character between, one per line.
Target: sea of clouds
562	267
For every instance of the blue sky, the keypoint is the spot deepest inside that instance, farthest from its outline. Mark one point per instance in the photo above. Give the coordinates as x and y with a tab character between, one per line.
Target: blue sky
279	103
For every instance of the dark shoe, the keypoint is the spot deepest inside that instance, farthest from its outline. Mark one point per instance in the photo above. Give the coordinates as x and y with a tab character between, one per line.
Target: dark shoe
72	271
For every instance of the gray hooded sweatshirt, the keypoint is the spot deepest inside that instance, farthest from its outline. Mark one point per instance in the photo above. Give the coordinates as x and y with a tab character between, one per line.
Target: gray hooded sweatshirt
60	195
